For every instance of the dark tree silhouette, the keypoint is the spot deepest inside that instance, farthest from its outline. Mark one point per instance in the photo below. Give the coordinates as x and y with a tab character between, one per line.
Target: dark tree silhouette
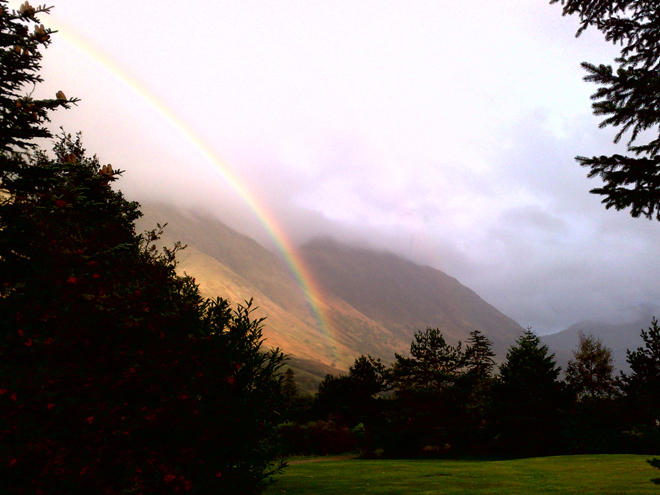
434	364
115	375
355	398
289	386
596	416
479	355
429	400
528	399
642	388
629	99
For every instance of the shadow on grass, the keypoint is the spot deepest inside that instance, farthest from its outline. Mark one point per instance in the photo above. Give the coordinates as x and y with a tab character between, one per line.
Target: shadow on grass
656	464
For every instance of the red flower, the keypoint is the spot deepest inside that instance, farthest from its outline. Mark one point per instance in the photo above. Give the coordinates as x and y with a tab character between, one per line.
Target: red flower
28	342
13	461
90	419
169	477
20	332
71	280
60	203
50	406
3	391
219	475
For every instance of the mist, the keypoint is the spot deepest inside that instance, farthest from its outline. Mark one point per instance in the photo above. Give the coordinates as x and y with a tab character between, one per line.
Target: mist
444	134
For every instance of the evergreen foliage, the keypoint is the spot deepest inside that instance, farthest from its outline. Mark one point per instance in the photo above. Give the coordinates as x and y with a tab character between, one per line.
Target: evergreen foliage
23	117
479	355
289	386
431	404
642	389
628	97
448	403
528	398
434	364
115	375
351	396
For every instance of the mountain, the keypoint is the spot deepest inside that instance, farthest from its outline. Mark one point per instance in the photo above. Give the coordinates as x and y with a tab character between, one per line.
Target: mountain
372	302
618	337
404	297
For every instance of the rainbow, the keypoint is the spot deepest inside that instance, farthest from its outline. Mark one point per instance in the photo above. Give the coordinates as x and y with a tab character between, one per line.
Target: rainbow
285	247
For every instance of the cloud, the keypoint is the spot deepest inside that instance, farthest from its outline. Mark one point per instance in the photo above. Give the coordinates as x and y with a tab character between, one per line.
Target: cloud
445	133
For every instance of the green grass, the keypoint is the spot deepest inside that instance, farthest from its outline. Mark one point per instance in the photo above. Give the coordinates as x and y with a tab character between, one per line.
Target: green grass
583	474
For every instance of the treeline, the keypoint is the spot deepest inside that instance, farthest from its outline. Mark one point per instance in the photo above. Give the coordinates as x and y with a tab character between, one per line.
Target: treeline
453	400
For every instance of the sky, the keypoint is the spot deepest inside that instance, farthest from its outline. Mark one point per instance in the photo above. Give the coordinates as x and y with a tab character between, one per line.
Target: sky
442	131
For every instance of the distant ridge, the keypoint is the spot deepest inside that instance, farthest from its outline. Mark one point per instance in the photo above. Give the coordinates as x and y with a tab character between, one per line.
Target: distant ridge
618	337
373	301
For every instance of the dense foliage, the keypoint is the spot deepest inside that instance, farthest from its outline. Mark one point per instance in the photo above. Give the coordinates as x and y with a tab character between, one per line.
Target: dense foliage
444	400
628	97
115	375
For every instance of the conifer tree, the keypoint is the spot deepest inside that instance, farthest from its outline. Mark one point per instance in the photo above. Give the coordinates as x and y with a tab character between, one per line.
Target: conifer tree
289	386
642	387
116	376
430	402
479	355
528	399
629	98
434	364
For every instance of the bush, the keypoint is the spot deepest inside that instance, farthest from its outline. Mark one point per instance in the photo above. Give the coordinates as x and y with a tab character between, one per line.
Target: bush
316	438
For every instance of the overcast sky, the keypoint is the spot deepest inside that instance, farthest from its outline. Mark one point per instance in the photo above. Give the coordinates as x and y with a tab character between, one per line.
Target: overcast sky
443	131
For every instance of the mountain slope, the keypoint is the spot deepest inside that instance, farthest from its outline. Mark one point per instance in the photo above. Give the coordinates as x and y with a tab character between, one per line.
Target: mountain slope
405	297
619	338
372	302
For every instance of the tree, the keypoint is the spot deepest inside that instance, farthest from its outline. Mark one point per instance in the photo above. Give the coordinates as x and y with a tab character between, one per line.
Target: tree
642	387
430	404
476	385
628	98
116	376
434	364
23	117
479	355
589	373
528	399
596	416
289	386
644	379
355	397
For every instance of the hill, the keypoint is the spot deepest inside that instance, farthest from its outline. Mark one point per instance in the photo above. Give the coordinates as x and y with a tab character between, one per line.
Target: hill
404	297
373	302
618	337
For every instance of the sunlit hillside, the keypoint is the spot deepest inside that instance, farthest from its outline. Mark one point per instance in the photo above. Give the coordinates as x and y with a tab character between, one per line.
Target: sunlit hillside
371	302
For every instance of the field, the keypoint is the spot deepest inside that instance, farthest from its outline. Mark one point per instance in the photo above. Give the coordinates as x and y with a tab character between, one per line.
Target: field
583	474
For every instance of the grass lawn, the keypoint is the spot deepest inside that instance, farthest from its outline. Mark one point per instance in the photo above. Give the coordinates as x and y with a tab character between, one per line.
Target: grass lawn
580	474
